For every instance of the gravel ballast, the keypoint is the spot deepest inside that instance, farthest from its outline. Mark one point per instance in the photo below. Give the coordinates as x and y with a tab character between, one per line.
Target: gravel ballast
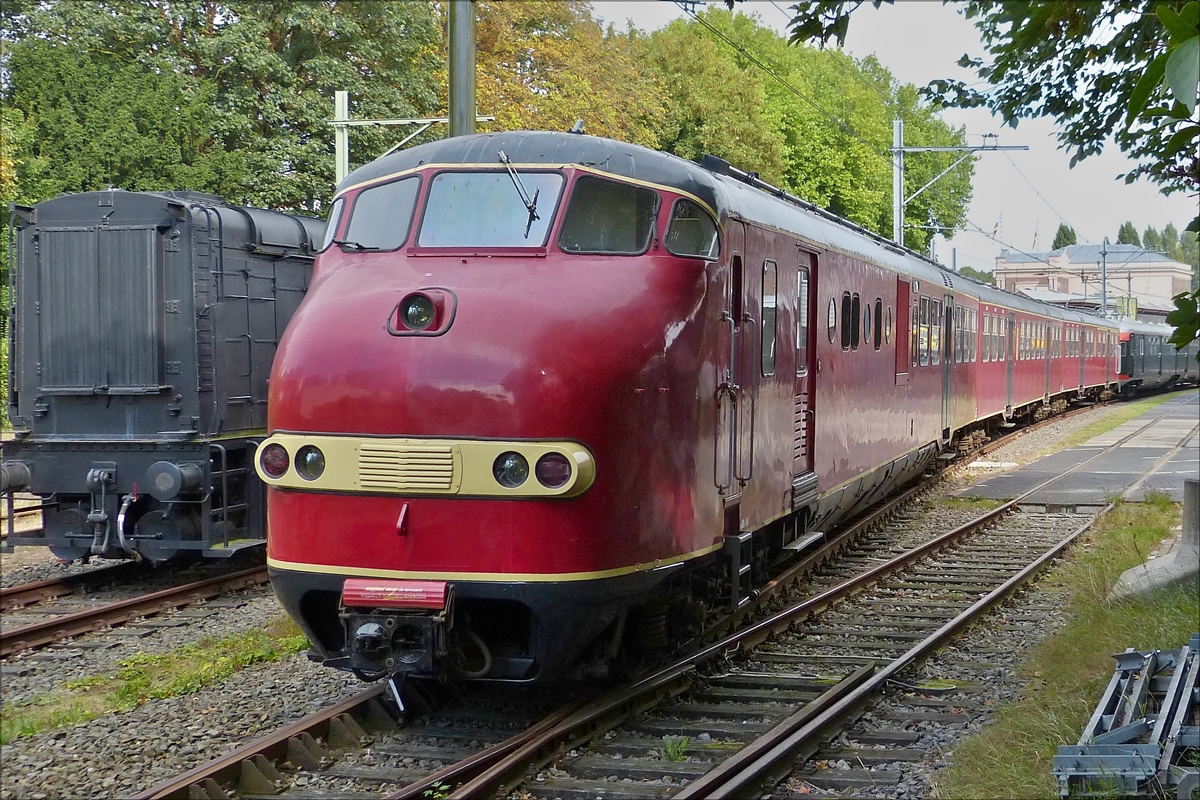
120	754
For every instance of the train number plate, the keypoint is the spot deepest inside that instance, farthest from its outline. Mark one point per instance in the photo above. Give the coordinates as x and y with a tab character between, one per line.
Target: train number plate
381	593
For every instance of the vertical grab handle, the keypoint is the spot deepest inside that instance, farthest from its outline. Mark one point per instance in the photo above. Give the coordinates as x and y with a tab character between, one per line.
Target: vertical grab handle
749	321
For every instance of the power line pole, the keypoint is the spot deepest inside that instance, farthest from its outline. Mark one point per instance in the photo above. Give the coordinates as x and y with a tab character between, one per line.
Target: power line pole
462	117
462	67
342	123
1104	278
899	201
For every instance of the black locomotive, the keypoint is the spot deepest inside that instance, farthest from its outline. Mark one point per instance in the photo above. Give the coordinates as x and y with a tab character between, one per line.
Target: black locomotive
142	331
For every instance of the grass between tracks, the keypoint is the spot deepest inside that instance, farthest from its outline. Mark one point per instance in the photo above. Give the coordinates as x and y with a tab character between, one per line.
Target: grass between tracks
1067	672
149	676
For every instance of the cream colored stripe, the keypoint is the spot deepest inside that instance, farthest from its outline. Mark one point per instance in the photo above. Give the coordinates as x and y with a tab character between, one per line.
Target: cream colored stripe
532	167
487	577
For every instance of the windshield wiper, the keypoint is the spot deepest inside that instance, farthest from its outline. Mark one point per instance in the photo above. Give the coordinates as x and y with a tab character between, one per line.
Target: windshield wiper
354	245
530	204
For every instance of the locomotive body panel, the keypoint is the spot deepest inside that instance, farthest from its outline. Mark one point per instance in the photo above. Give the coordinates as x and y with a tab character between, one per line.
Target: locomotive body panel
143	332
740	396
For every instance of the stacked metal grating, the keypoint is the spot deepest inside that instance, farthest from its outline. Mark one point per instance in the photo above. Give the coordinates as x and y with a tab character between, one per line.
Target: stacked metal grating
1143	740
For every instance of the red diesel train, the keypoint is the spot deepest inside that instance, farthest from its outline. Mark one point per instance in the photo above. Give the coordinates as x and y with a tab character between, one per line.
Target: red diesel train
550	397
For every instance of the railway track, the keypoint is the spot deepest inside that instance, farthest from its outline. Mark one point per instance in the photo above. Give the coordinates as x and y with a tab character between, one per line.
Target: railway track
14	597
75	623
736	715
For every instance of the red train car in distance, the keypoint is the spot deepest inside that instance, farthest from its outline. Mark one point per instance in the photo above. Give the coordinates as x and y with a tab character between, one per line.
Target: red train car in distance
552	397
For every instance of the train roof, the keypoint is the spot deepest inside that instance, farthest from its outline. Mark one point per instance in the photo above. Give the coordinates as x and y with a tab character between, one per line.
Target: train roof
729	192
262	229
1148	328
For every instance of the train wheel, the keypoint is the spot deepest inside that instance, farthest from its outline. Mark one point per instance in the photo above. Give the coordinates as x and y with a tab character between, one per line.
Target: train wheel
159	533
69	553
69	520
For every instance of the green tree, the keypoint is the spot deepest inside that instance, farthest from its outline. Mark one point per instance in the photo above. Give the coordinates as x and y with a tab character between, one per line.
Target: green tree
711	103
239	93
1091	66
1151	239
821	130
1127	234
1082	64
1063	237
1169	243
543	64
979	275
1189	252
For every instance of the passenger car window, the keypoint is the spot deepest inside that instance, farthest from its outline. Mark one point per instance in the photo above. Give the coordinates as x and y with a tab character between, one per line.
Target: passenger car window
848	323
381	215
692	232
855	311
935	331
608	217
770	288
878	322
801	321
924	343
484	209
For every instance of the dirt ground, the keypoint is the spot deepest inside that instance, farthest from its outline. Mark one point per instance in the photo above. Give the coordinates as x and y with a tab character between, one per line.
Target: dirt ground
23	556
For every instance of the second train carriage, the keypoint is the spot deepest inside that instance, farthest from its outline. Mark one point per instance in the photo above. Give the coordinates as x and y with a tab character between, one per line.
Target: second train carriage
1149	361
550	394
142	333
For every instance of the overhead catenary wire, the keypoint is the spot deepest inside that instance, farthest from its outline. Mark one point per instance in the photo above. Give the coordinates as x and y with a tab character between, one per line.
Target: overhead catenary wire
1061	218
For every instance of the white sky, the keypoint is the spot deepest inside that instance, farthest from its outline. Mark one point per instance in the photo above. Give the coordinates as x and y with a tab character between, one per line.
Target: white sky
919	41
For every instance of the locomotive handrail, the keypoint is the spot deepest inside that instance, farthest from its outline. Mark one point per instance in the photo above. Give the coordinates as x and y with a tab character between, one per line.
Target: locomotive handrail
748	321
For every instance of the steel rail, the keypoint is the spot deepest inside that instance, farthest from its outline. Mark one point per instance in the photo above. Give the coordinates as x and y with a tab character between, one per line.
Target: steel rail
616	706
290	742
26	593
23	510
622	703
472	772
770	757
41	634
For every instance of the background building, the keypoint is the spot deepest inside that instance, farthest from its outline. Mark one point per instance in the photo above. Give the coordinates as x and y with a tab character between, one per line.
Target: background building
1071	276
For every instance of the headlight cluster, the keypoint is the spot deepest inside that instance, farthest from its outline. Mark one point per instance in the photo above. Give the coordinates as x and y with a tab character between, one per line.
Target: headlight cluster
310	461
511	469
522	469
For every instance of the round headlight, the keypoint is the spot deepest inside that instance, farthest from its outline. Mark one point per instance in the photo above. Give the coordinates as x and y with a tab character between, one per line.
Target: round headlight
274	460
553	470
310	462
417	312
511	469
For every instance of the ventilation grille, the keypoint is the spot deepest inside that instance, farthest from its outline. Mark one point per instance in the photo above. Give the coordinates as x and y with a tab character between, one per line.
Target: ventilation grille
411	468
800	440
946	279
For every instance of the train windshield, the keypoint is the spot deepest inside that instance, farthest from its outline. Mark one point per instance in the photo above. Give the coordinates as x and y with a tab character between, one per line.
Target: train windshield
486	209
692	232
381	216
608	217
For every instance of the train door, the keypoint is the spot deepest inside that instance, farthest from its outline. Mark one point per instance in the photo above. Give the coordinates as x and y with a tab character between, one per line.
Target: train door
1045	351
1082	332
1009	351
947	366
747	370
735	374
803	480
